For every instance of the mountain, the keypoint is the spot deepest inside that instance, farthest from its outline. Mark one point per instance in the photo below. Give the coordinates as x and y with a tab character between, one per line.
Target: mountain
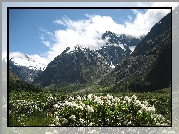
13	76
148	67
86	66
15	84
80	65
117	46
25	68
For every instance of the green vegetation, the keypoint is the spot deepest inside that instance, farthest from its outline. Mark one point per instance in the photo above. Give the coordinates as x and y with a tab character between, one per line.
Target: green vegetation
148	67
80	109
15	84
85	92
65	87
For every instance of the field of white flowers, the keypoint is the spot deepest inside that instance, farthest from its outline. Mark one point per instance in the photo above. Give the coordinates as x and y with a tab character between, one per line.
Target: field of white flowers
30	109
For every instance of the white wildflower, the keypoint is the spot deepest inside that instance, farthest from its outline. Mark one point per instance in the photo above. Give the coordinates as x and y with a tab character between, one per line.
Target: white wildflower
146	103
52	125
134	97
56	119
158	124
137	102
55	106
143	107
140	111
71	98
116	99
80	107
78	98
126	98
160	117
96	99
109	102
151	109
90	97
100	102
90	124
89	109
72	117
82	121
124	102
65	121
129	123
118	124
129	100
109	97
55	114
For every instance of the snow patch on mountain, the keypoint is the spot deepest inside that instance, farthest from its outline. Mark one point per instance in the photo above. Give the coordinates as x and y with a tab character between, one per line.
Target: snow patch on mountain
112	66
132	48
121	45
20	59
31	64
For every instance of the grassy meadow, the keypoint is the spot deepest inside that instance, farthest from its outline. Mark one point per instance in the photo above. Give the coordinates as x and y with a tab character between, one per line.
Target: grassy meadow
48	108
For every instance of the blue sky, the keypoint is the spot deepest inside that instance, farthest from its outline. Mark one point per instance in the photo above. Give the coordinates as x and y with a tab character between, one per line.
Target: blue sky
45	33
27	25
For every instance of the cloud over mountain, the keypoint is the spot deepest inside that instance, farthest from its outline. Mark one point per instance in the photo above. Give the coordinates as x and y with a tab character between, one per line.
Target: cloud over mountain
85	32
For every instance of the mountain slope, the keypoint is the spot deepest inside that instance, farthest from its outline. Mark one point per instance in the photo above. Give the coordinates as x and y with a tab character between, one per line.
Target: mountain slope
148	68
84	65
15	84
13	76
81	65
117	46
25	68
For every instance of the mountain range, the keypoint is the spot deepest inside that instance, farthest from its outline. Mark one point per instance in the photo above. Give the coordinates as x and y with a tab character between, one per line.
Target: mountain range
16	84
106	57
124	63
84	65
24	67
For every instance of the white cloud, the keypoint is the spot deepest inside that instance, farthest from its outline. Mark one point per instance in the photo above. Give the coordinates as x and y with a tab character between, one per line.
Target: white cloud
143	22
46	32
35	57
16	54
86	32
135	11
42	37
39	59
58	22
47	43
130	18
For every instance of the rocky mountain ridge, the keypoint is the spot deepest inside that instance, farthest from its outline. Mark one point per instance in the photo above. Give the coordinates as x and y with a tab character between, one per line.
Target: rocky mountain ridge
102	60
148	67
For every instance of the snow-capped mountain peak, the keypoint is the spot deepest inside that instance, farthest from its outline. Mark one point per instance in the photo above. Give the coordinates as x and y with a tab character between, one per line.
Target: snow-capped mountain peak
25	60
31	64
